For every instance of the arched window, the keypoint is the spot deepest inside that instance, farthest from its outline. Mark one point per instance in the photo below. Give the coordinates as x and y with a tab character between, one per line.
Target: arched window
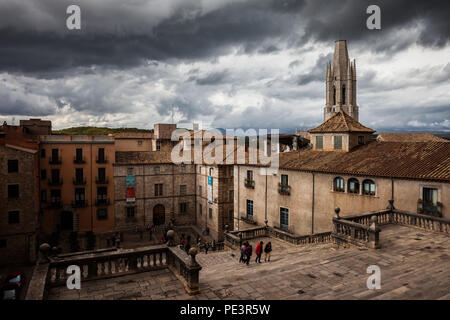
334	95
353	186
343	94
368	187
338	184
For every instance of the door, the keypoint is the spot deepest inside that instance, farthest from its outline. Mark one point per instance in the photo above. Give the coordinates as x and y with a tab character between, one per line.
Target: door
159	216
67	220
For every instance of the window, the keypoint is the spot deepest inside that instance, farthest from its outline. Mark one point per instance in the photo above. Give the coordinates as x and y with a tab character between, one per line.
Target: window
79	155
42	153
158	145
102	214
284	180
250	209
79	176
183	168
334	95
369	187
13	191
55	196
55	175
2	243
43	196
139	142
183	207
101	154
43	174
360	140
200	190
430	196
79	195
13	217
353	186
338	184
13	166
101	174
231	172
343	94
249	175
55	154
284	218
210	171
129	171
102	194
319	142
183	189
230	195
157	170
210	213
158	189
200	209
130	212
337	142
231	216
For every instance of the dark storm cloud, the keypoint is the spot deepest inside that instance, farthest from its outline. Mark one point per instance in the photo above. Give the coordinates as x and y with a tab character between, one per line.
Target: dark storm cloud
213	78
318	72
33	38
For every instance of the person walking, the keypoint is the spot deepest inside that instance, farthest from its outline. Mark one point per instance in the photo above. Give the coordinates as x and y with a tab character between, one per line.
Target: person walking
267	251
206	247
248	253
259	251
242	258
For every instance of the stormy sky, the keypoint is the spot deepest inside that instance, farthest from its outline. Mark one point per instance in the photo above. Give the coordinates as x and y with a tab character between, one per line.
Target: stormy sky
225	63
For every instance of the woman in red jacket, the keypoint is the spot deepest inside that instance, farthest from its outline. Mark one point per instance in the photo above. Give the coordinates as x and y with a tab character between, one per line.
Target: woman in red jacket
259	251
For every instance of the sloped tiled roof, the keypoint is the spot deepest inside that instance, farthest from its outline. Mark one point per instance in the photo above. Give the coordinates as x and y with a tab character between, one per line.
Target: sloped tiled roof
133	135
142	157
341	122
409	137
417	160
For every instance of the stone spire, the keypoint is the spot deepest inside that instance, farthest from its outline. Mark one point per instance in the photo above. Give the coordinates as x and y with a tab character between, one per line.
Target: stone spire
341	84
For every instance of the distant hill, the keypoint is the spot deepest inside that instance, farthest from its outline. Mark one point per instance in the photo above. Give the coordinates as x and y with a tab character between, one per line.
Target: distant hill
96	131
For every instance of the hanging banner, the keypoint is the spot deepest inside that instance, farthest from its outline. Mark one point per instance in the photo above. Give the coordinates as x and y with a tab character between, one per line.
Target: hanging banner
131	193
210	190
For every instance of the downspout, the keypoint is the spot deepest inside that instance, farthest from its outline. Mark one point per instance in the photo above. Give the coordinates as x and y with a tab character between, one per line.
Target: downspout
239	198
92	214
312	205
143	183
265	208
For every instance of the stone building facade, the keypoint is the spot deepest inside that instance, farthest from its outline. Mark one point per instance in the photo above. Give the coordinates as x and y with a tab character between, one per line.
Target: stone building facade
19	204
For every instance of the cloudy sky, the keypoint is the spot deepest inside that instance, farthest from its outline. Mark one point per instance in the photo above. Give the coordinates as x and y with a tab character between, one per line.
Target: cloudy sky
229	63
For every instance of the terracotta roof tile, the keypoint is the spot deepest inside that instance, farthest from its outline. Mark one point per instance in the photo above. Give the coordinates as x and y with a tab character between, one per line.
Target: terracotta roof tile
341	122
411	137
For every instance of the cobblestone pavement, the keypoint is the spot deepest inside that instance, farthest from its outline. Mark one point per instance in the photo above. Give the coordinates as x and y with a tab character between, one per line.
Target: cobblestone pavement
414	265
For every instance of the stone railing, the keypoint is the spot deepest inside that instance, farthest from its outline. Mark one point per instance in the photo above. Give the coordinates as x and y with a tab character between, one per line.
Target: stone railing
95	266
323	237
383	217
349	232
422	221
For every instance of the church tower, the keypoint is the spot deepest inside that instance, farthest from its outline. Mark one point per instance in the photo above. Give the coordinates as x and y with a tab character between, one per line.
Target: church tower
341	84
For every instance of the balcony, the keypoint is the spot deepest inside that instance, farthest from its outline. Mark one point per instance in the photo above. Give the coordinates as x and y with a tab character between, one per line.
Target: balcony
101	180
79	181
101	160
284	189
54	160
54	204
79	160
102	202
79	203
428	208
55	182
249	183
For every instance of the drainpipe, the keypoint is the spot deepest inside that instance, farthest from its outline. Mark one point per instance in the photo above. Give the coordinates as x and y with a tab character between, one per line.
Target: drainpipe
312	205
266	220
92	199
239	198
143	184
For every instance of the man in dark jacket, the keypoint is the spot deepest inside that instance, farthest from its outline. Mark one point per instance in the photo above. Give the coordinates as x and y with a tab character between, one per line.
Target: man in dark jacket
248	253
267	251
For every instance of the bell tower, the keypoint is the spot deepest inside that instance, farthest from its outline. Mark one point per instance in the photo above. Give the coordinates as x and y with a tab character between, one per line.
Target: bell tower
341	84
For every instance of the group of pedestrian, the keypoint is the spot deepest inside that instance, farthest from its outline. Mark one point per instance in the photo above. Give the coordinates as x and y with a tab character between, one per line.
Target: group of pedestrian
247	249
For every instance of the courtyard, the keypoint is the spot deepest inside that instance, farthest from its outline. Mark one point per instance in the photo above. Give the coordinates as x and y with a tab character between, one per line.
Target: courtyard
414	265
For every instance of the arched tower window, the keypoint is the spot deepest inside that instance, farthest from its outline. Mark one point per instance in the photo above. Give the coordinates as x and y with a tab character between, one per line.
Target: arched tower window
334	95
343	94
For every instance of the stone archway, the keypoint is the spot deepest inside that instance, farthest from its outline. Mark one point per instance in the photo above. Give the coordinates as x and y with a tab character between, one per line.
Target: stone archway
159	215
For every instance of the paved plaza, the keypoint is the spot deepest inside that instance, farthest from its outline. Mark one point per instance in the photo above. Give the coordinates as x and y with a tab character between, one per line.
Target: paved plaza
414	265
